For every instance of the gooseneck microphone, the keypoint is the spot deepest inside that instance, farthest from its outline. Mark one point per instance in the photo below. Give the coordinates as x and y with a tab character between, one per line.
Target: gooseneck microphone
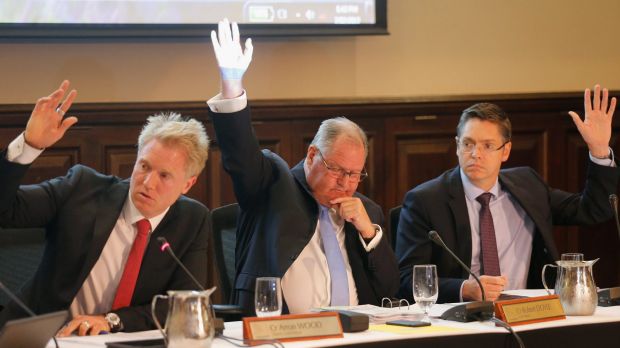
472	311
225	310
434	236
165	246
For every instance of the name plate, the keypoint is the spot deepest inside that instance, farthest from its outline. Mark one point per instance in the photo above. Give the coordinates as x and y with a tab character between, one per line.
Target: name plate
293	327
530	310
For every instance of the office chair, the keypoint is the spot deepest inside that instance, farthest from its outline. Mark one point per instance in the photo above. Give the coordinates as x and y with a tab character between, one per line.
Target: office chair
394	217
224	220
20	254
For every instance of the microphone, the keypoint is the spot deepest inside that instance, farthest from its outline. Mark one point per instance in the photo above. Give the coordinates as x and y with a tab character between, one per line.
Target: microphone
225	310
472	311
166	246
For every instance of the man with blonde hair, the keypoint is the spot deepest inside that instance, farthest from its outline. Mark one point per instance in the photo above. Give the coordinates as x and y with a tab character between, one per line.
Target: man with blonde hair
102	260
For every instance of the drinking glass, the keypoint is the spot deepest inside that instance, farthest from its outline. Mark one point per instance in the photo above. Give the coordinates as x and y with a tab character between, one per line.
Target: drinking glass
425	287
268	297
572	257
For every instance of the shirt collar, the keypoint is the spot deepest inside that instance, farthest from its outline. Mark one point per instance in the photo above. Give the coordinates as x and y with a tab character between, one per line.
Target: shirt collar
472	191
133	215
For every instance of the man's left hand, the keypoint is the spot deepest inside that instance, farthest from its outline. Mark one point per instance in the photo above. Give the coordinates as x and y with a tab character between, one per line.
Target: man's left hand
596	126
352	210
85	325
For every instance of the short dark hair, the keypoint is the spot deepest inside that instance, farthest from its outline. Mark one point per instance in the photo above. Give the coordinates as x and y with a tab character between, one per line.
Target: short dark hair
486	112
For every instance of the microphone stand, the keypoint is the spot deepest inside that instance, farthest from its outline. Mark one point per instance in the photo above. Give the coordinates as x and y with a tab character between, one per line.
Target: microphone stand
231	311
471	311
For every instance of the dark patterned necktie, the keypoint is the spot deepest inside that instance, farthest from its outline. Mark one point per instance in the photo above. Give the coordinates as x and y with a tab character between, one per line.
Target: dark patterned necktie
488	244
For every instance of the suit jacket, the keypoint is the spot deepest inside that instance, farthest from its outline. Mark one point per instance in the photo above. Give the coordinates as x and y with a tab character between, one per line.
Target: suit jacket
440	205
278	216
79	212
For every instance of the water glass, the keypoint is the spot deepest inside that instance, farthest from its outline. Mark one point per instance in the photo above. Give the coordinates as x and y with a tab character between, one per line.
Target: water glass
268	297
572	257
425	286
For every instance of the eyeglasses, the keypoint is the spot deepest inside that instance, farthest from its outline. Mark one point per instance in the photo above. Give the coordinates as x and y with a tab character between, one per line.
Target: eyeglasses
468	146
338	172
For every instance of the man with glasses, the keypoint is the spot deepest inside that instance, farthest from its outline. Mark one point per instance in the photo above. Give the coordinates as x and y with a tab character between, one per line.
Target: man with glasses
499	222
307	225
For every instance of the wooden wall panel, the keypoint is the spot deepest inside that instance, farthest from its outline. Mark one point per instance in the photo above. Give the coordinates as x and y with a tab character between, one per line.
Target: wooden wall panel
410	141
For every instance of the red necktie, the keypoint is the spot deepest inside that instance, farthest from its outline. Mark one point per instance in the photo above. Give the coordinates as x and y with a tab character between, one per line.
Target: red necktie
490	259
125	289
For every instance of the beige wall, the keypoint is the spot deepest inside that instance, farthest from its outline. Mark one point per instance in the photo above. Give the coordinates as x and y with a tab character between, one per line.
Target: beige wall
436	48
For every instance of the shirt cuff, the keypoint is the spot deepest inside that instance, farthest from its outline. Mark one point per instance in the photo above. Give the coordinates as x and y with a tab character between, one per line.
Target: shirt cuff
375	240
461	292
218	104
608	162
20	152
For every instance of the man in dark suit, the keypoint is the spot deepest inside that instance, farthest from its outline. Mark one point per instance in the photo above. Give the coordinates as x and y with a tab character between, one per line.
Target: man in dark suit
500	222
307	225
102	259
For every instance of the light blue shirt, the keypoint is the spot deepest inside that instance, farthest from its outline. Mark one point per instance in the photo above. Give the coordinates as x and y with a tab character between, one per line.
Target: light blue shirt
514	232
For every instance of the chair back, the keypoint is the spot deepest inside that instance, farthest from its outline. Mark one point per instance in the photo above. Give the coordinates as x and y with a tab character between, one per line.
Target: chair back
224	221
21	250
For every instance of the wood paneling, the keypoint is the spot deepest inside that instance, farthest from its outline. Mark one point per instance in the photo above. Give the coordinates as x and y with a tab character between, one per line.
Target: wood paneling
410	141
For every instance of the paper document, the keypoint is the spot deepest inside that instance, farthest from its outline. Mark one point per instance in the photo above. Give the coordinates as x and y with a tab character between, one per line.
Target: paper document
380	315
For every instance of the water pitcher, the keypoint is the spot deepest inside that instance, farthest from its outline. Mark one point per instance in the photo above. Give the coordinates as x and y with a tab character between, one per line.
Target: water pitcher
575	286
189	323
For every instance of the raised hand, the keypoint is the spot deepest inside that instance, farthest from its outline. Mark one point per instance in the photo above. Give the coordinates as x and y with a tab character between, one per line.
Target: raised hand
231	59
47	124
595	129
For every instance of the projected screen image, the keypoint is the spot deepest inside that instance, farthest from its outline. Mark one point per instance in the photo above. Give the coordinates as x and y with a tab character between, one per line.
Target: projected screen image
187	12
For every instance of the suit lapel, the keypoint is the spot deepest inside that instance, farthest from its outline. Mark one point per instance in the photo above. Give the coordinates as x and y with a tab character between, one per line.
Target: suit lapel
109	208
461	217
525	199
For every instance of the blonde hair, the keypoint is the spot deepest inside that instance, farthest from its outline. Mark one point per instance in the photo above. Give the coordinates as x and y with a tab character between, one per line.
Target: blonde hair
174	130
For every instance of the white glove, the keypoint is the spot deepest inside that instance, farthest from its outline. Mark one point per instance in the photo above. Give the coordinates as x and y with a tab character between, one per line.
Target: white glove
231	59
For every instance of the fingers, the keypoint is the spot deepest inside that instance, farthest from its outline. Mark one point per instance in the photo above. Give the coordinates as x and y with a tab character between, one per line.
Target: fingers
493	286
66	104
68	329
224	32
605	100
84	327
214	41
249	49
612	107
576	119
235	33
67	123
597	97
587	101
